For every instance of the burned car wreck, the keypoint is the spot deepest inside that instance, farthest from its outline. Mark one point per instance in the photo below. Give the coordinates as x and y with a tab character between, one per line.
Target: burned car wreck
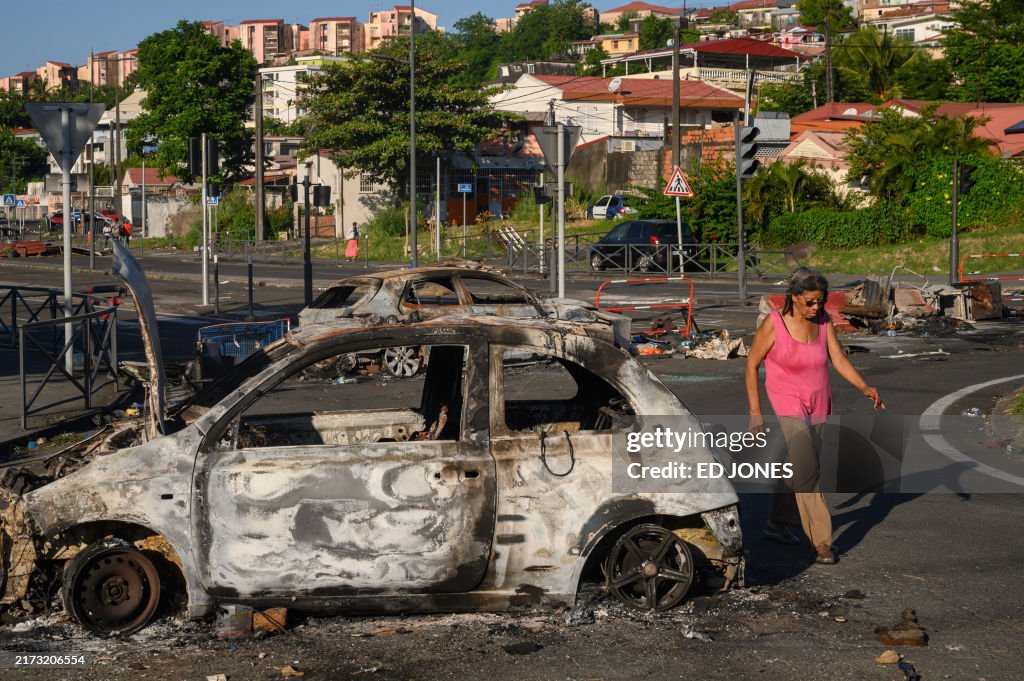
480	484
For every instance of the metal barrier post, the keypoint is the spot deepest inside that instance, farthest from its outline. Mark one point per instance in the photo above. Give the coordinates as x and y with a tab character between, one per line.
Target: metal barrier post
24	381
216	284
366	251
251	316
86	353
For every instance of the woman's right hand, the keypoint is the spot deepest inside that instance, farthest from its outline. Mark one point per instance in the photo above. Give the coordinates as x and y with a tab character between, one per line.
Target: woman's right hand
756	423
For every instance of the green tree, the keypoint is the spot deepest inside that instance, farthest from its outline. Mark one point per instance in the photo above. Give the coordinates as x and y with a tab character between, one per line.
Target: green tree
12	111
785	188
360	110
194	85
477	44
724	16
815	12
872	59
655	33
592	62
21	157
887	152
985	51
792	98
924	77
546	31
625	19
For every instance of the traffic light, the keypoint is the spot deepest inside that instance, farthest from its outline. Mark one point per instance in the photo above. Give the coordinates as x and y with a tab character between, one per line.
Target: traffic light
746	152
966	182
195	156
540	195
321	195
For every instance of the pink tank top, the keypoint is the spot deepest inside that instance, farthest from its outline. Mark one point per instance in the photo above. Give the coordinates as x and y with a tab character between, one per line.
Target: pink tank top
796	374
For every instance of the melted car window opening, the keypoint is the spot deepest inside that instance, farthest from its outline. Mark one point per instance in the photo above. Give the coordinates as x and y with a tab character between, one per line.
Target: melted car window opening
341	401
485	291
432	293
556	395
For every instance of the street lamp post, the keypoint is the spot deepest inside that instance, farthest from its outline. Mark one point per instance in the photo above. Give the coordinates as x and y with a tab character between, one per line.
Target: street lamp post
412	132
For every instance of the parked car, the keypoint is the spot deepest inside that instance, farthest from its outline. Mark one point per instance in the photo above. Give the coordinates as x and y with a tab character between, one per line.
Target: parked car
434	291
481	487
610	207
643	245
57	220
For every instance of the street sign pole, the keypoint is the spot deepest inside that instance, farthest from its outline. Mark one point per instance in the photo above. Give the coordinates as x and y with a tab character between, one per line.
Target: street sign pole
561	210
679	236
206	232
66	162
66	127
463	224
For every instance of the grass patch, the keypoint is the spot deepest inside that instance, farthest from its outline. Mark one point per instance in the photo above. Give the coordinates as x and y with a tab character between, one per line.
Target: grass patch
1018	403
928	257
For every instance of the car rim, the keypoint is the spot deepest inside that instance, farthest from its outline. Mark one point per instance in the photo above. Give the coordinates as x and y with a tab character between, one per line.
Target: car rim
402	361
116	592
649	568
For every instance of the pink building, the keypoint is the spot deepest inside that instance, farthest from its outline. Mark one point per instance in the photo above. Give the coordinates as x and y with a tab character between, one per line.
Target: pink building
58	75
396	21
265	38
20	83
336	35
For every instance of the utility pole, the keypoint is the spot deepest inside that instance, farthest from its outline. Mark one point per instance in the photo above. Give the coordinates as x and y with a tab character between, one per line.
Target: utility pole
828	54
260	197
741	255
117	159
412	134
676	33
307	263
92	204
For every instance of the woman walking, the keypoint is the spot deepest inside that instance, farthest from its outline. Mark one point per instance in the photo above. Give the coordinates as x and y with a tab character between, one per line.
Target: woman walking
796	347
352	243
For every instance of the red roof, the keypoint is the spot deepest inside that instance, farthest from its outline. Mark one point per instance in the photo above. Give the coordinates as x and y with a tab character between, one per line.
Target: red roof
838	111
644	91
134	176
319	19
534	3
103	54
757	48
752	4
643	6
262	21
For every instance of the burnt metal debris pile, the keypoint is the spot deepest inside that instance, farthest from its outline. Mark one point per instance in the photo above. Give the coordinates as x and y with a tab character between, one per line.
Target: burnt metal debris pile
885	306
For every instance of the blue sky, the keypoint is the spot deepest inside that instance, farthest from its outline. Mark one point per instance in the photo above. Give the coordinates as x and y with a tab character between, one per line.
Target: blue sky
65	30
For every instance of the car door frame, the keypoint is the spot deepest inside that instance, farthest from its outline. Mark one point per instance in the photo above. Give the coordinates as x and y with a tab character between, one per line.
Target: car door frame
471	449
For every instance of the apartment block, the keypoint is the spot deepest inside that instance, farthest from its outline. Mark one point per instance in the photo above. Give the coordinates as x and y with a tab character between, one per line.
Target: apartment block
58	75
396	21
282	87
265	38
336	35
20	83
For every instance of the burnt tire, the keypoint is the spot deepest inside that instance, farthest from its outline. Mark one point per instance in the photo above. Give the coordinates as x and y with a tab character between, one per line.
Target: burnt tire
111	589
649	568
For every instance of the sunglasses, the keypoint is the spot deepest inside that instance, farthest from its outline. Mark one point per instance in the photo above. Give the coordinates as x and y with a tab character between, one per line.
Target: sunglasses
817	302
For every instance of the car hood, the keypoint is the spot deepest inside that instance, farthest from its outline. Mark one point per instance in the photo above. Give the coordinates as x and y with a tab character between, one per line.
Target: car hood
126	268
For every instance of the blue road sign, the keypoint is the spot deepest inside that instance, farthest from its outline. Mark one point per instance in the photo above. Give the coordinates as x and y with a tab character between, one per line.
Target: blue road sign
20	203
9	200
465	188
212	200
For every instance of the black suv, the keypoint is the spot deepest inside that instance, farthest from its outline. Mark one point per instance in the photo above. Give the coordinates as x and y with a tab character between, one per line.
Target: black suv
642	245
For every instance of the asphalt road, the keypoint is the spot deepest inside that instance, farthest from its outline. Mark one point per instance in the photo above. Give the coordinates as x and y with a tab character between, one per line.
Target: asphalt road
953	556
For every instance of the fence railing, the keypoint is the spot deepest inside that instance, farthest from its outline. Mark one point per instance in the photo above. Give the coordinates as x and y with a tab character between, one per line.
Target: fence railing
88	335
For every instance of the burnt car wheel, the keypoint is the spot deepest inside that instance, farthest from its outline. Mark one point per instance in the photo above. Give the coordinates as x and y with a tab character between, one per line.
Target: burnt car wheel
111	588
649	568
403	361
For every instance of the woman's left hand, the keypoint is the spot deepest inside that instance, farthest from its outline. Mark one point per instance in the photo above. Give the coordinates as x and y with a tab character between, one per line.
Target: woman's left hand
872	394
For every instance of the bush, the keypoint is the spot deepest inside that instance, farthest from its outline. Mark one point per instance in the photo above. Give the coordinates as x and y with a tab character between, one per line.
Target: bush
387	222
994	200
833	228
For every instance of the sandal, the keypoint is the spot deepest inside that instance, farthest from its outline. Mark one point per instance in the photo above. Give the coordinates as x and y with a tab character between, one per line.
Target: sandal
825	556
783	535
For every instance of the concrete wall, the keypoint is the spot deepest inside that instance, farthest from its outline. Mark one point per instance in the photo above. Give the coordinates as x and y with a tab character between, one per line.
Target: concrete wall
593	165
165	215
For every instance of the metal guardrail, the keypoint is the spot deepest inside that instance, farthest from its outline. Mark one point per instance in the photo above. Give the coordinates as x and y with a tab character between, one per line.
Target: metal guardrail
93	339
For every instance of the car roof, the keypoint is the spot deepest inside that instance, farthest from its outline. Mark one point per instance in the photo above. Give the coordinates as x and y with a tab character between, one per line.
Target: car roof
457	324
422	272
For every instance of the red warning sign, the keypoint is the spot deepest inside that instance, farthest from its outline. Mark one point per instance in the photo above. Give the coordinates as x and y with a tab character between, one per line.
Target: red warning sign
677	185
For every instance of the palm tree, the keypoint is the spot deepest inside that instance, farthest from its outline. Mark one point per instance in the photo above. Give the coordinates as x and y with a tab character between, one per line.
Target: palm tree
873	58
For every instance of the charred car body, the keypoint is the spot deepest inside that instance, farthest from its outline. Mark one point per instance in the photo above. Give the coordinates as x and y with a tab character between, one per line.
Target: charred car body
471	488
